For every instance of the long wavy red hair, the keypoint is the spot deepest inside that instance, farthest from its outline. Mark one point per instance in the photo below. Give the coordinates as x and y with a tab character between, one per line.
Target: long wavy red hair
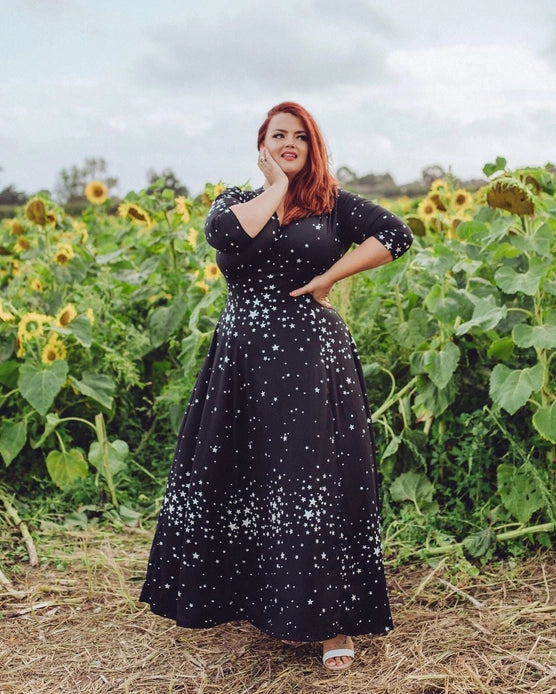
313	190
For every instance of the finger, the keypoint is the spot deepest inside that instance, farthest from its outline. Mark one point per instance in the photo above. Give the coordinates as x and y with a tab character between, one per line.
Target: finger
306	289
324	302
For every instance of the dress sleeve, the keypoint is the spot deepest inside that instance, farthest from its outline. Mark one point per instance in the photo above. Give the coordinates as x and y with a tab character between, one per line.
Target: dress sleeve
222	228
359	219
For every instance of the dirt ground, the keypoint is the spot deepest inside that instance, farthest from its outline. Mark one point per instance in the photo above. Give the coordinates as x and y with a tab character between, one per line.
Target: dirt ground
72	625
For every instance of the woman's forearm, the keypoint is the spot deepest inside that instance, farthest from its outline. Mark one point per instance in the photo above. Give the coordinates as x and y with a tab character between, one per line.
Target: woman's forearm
254	214
371	253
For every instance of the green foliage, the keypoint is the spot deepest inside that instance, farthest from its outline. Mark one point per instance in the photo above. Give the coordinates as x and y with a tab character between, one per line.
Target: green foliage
107	314
464	329
105	320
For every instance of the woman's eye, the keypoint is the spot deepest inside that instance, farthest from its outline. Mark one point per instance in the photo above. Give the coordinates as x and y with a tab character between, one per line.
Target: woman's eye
278	135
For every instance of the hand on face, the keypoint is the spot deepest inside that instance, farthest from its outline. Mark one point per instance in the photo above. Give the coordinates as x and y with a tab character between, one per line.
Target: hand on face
271	170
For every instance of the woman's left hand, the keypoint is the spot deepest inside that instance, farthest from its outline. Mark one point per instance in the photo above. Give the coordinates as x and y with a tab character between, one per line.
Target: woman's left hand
319	288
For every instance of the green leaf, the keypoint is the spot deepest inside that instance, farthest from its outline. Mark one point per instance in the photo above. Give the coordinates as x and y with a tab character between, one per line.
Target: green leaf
392	447
99	387
441	365
447	305
52	421
12	439
498	165
189	350
540	243
539	336
544	421
432	400
486	315
130	517
81	329
9	371
207	300
511	388
64	467
478	543
519	490
502	348
165	321
412	486
117	453
466	230
511	282
39	386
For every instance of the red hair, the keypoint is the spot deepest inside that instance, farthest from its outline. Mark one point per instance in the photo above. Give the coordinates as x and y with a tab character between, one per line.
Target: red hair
313	190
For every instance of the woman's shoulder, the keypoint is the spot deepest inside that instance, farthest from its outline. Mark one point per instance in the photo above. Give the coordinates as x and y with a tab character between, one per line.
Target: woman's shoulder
240	193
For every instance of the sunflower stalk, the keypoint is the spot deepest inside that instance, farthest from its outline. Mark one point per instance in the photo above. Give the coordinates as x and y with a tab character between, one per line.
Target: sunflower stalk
14	517
100	429
501	537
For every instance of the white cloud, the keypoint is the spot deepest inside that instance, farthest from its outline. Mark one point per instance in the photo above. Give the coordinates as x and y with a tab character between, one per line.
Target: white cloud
278	46
468	83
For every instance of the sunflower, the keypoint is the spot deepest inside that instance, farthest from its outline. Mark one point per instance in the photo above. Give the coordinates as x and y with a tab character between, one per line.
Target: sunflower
90	316
427	209
135	212
212	271
182	208
203	286
192	236
36	284
5	316
21	245
439	185
64	253
81	229
65	315
15	268
96	192
32	325
441	202
512	196
462	199
404	203
36	211
218	188
53	350
15	228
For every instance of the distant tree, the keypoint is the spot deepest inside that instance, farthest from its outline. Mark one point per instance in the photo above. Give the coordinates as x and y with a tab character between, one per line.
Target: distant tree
345	175
171	181
431	173
71	182
11	196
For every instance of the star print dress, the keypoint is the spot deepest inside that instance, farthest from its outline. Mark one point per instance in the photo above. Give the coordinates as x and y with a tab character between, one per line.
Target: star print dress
270	513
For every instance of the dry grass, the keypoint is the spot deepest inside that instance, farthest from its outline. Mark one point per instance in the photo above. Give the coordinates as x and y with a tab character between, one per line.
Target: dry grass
73	625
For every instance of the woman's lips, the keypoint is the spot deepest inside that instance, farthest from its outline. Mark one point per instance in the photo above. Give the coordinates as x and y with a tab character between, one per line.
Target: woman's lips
290	156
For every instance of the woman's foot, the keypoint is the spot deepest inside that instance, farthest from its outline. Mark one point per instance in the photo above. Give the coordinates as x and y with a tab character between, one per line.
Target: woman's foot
338	661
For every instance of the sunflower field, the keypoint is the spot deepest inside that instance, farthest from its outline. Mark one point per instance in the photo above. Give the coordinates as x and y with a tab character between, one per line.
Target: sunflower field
105	320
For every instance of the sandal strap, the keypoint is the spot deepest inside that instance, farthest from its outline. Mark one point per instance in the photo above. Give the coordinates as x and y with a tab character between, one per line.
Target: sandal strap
338	653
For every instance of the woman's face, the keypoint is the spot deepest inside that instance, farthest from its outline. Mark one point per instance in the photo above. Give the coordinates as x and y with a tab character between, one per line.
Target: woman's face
288	143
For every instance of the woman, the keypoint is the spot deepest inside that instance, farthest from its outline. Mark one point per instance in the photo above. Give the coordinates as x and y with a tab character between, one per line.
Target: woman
270	514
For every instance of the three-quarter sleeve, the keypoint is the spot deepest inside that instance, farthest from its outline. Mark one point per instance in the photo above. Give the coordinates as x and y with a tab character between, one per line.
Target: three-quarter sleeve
359	219
222	228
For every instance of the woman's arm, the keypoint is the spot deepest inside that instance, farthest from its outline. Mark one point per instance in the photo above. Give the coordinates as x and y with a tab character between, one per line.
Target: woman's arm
254	214
369	254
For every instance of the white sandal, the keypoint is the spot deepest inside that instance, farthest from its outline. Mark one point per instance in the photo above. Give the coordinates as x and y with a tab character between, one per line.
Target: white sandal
338	653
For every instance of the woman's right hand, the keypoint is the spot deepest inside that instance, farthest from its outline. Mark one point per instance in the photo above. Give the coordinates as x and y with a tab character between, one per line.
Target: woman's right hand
270	168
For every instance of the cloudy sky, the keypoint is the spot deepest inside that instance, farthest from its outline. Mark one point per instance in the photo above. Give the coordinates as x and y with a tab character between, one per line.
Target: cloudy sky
185	84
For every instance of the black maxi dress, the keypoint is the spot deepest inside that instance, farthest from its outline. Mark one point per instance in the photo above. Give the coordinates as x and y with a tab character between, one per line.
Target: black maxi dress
270	513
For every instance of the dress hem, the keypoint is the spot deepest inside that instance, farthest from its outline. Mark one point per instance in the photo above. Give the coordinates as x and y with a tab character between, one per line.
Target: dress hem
266	631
